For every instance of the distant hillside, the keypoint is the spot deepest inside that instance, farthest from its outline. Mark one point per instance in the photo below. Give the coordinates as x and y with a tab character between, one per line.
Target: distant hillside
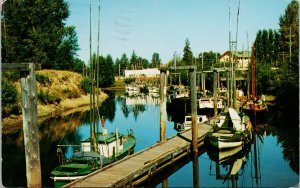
59	94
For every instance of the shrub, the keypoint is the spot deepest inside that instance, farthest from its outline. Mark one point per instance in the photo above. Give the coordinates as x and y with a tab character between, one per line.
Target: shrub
43	79
129	80
48	98
9	92
9	98
85	85
70	93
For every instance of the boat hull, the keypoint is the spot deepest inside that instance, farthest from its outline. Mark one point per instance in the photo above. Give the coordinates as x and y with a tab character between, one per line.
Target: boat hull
225	139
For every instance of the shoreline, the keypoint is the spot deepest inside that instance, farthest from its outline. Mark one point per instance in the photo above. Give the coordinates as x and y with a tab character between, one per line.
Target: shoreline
14	123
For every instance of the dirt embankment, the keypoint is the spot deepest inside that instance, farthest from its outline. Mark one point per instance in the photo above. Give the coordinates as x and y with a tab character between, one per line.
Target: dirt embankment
64	86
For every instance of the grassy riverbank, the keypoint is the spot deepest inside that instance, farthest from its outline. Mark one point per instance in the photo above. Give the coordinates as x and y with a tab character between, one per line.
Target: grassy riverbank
59	95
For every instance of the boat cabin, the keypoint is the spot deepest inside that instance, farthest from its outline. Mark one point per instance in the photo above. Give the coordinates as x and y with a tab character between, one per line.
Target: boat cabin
108	144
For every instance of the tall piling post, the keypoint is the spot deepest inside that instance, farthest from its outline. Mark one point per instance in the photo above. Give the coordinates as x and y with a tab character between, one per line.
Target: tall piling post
215	92
30	127
248	84
194	125
194	109
203	84
228	88
234	89
163	104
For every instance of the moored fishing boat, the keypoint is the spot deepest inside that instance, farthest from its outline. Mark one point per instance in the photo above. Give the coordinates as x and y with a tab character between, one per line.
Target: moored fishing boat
230	131
111	147
187	124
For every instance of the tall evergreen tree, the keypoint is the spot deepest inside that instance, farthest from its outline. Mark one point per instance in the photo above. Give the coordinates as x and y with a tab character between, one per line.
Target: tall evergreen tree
124	63
277	49
187	53
133	60
265	45
270	46
258	46
289	29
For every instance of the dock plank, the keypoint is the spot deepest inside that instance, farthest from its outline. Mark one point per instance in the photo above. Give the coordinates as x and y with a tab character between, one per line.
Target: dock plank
125	170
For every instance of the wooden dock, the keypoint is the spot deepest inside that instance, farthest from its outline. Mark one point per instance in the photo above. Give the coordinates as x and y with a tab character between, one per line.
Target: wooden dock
135	169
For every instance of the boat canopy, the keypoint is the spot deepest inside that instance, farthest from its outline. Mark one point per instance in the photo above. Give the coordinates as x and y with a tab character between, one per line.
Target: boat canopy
236	119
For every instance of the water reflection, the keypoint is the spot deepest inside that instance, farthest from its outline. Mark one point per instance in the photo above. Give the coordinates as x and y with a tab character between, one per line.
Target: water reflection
276	143
228	163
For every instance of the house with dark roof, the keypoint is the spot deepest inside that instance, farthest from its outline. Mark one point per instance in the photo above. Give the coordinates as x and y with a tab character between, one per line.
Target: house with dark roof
241	58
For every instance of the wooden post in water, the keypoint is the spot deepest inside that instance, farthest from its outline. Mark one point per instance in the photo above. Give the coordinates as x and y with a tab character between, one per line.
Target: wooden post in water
203	84
194	109
215	92
248	84
30	127
228	88
163	104
234	89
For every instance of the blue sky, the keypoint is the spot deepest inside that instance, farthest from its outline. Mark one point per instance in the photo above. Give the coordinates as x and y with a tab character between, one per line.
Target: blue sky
162	26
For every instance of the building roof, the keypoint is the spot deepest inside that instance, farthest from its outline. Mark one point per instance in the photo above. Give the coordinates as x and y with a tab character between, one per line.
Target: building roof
240	54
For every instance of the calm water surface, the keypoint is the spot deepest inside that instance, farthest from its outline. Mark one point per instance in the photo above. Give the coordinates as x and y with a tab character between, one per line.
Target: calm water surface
273	161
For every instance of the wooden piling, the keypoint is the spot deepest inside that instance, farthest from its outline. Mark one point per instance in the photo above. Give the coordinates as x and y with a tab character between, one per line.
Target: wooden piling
163	104
203	84
30	127
215	92
228	88
234	89
195	171
29	115
194	109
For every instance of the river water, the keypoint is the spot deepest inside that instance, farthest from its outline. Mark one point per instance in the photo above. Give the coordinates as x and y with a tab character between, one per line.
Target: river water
271	160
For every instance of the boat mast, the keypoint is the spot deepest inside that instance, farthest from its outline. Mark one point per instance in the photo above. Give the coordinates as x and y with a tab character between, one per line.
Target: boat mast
97	75
253	82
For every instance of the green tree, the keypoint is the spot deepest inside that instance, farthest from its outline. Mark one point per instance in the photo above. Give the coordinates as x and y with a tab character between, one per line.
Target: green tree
187	53
270	45
155	61
133	60
106	71
289	27
265	44
124	63
34	31
67	50
258	46
277	49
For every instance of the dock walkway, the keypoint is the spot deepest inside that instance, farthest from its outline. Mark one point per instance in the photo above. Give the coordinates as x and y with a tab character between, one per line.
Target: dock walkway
136	168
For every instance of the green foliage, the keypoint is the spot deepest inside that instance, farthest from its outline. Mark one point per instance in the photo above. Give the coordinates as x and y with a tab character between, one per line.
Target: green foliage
43	79
48	98
155	61
266	79
9	97
209	60
129	80
35	31
133	60
85	85
70	93
267	46
187	54
289	26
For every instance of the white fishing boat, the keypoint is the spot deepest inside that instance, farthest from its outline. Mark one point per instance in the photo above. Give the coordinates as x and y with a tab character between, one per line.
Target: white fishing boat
209	103
230	131
187	124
